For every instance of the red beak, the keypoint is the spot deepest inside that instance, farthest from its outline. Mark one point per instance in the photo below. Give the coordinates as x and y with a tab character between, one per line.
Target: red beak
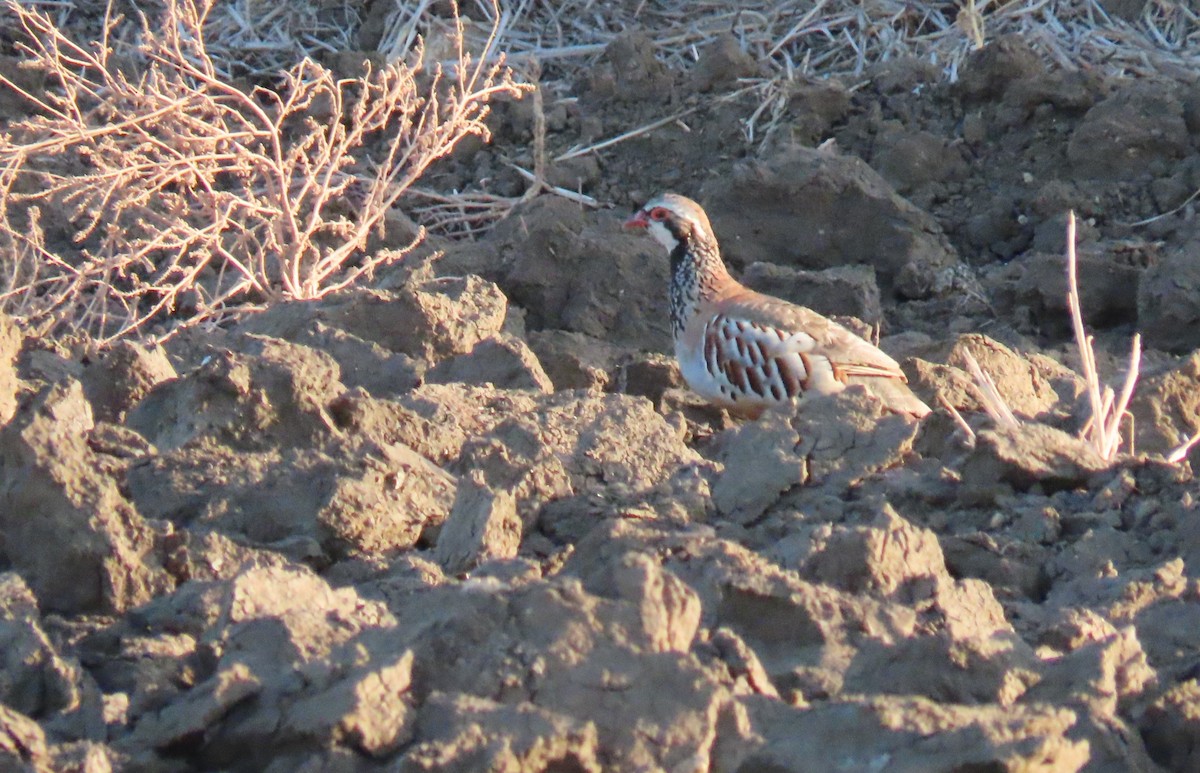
636	220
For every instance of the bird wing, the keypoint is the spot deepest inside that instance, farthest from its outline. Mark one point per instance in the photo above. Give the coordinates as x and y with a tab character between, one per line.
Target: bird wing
823	342
776	351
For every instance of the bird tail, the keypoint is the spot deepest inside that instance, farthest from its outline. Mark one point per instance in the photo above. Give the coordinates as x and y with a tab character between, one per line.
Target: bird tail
894	394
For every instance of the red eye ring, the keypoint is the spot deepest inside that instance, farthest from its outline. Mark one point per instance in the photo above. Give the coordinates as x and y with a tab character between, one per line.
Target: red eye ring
658	213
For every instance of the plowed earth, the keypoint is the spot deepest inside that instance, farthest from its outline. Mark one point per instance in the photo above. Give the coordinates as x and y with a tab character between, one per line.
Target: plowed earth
470	519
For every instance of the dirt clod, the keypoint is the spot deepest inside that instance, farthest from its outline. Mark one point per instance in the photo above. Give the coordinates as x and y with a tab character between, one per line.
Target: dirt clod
1028	455
276	393
574	272
813	210
843	291
1134	132
482	525
122	377
721	64
354	495
1166	407
761	463
1034	386
65	524
1171	725
1168	302
507	363
427	318
22	741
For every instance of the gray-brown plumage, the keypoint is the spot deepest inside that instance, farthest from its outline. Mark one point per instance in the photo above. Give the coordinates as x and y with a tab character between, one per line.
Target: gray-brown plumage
747	351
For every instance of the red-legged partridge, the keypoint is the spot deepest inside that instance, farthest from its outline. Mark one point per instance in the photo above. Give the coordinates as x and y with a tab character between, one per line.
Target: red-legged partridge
747	351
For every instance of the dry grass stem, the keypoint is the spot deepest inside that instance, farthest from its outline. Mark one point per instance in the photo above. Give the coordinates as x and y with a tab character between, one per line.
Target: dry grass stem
970	20
993	402
958	419
639	131
465	214
184	198
1175	210
1112	433
541	185
1180	453
1086	354
1103	427
539	132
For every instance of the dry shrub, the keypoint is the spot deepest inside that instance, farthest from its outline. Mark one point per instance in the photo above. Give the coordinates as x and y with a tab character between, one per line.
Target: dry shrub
188	196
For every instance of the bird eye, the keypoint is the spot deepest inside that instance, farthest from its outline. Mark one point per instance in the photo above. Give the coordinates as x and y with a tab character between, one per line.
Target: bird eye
658	213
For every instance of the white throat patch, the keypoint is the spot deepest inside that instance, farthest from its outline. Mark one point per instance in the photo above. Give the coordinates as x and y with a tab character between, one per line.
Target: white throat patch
663	235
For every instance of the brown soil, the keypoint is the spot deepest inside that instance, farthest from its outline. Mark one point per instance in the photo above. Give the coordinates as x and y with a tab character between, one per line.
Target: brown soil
471	520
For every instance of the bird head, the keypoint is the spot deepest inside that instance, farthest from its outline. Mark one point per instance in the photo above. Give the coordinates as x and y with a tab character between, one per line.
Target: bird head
671	219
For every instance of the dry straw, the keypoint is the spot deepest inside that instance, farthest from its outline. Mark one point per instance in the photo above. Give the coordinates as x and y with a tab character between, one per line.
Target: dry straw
992	400
843	37
251	38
